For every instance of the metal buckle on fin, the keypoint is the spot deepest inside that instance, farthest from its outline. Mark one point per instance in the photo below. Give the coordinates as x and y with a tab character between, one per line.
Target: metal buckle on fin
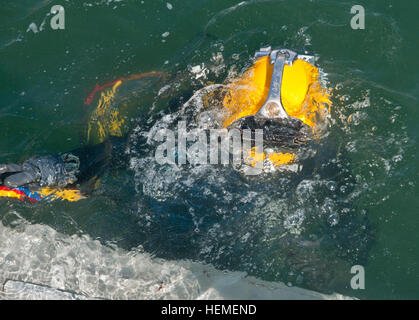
273	108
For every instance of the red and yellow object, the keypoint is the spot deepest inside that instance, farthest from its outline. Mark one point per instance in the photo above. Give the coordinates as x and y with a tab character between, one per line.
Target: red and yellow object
48	194
107	118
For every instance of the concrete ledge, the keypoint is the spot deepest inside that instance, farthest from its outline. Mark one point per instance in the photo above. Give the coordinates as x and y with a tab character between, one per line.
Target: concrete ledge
36	262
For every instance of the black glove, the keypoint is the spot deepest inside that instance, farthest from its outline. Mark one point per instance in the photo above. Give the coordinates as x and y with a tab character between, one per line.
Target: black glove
49	171
18	175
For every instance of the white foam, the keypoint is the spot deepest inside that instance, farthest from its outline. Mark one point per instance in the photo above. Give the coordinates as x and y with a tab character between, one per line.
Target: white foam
35	259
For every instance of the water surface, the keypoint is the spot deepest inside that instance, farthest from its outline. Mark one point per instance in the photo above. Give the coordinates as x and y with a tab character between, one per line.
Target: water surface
354	203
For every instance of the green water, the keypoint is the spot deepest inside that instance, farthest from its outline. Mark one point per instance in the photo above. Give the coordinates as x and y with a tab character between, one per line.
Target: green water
45	78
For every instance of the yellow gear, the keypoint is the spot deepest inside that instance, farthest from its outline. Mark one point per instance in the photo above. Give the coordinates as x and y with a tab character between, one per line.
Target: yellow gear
71	195
301	94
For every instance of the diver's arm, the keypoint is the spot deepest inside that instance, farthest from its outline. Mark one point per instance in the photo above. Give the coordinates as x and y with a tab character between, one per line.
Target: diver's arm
10	168
43	171
70	168
94	159
16	175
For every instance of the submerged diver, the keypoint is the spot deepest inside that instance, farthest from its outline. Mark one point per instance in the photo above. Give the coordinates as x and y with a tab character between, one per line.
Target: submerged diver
280	93
274	223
